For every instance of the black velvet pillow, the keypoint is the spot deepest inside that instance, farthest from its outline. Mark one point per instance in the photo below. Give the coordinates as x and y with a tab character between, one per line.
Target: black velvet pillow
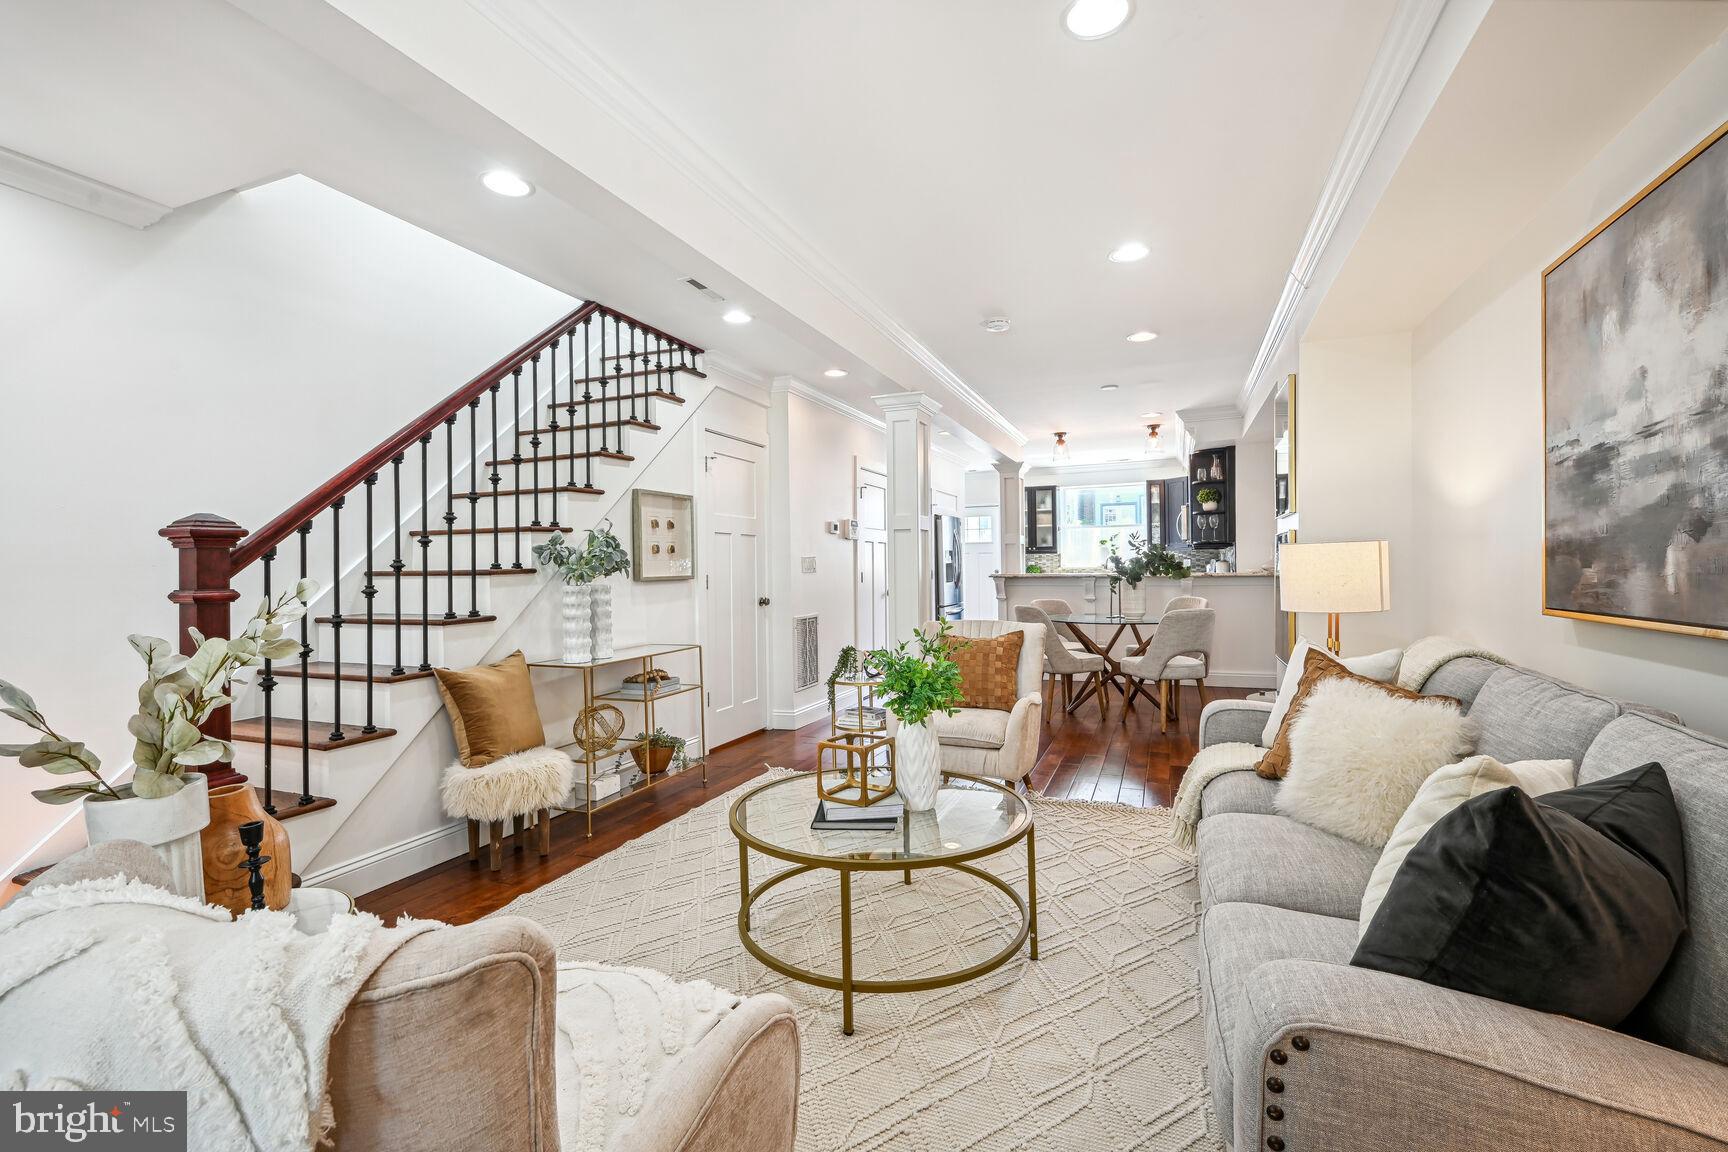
1570	904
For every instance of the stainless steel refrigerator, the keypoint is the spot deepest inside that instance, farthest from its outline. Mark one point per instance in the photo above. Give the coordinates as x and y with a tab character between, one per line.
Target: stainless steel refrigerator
950	579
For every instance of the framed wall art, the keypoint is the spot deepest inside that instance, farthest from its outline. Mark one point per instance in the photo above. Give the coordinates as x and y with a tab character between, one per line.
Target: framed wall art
1635	409
663	532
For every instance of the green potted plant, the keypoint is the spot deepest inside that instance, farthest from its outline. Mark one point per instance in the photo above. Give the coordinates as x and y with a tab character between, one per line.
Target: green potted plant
655	750
571	566
1144	560
918	679
1208	498
604	556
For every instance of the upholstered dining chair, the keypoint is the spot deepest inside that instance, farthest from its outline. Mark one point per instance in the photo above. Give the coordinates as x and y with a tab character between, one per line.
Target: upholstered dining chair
1055	606
987	742
1181	650
1063	663
1177	603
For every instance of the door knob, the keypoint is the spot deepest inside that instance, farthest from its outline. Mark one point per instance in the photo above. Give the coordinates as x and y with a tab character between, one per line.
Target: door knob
762	601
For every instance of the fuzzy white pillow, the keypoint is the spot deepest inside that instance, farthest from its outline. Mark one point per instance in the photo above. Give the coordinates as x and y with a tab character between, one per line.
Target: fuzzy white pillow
1381	666
1358	753
1445	790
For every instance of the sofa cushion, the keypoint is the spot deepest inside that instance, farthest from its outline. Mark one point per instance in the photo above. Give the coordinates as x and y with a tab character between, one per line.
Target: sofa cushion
1244	791
971	727
1523	715
1460	678
1688	1007
1252	859
1236	939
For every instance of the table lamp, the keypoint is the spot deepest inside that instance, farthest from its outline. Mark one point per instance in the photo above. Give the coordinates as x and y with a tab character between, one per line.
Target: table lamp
1355	576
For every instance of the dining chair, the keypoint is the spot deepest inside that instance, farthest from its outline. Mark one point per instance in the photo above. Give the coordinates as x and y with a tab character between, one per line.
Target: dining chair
1181	650
1177	603
1063	663
1056	606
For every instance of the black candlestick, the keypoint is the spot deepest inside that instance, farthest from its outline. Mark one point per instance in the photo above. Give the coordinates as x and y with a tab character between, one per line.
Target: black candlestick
252	836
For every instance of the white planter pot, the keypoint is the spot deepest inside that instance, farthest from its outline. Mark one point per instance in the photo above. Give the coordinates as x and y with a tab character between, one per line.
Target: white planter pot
169	824
1133	602
917	766
1209	506
578	624
602	614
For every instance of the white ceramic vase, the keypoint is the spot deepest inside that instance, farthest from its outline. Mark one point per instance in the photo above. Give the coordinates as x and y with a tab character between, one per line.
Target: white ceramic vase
169	824
578	624
602	613
1133	601
917	766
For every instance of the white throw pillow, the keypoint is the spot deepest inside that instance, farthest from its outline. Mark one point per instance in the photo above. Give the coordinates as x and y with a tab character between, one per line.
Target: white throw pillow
1445	790
1381	666
1358	753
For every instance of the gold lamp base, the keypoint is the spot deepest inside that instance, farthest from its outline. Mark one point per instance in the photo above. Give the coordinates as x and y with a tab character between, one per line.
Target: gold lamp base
1334	641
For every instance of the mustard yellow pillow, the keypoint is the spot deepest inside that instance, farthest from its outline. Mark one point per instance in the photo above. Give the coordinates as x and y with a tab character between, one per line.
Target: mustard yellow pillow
492	710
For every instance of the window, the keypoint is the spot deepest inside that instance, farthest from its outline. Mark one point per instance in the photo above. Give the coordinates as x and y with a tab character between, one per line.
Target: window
979	530
1090	518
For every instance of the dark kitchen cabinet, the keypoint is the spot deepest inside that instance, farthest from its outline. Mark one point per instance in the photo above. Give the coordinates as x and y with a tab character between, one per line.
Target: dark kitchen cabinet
1041	520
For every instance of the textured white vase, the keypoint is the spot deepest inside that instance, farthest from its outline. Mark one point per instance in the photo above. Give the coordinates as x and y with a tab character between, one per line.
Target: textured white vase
602	613
169	824
578	624
917	766
1133	602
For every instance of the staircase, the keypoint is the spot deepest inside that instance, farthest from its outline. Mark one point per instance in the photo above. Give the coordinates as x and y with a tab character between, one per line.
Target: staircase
422	550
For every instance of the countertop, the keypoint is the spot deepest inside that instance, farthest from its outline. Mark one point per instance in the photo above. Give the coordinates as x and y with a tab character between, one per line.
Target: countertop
1106	576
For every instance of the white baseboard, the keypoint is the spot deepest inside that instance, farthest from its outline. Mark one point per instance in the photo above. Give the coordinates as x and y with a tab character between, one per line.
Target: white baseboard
1221	679
783	718
393	862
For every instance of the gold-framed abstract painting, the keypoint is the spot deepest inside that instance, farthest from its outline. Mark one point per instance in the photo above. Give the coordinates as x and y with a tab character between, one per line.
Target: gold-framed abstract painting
1635	409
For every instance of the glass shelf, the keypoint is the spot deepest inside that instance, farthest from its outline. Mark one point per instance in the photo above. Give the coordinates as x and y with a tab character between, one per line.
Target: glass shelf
620	656
631	698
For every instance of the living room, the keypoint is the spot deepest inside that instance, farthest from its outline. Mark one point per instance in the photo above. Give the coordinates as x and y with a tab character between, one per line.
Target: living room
1071	574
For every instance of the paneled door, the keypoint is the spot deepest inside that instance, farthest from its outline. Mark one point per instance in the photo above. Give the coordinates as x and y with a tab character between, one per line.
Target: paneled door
872	602
735	604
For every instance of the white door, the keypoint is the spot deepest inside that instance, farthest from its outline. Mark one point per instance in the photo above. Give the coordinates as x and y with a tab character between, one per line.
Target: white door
735	611
872	600
983	559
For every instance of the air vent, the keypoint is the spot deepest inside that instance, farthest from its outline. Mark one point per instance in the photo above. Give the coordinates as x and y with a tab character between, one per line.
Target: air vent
703	288
807	663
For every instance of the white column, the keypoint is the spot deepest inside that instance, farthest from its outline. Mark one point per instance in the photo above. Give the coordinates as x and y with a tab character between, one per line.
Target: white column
911	588
782	702
1012	513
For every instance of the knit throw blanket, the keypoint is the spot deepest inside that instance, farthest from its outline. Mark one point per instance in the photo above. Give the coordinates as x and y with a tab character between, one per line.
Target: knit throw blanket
1424	658
1208	764
112	984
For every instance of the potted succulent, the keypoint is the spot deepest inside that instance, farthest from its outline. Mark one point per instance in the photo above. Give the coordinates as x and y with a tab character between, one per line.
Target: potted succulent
1144	560
1208	498
918	680
655	750
165	804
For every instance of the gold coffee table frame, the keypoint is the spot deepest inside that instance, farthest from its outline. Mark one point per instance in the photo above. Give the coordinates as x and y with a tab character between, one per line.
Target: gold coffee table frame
845	983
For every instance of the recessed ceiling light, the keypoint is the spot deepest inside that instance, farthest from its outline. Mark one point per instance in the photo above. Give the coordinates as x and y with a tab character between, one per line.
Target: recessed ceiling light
506	183
739	316
835	373
1141	336
943	432
996	324
1096	19
1129	252
1108	387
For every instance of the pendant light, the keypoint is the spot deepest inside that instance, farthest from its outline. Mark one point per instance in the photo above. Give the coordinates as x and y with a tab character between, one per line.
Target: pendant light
1059	454
1151	446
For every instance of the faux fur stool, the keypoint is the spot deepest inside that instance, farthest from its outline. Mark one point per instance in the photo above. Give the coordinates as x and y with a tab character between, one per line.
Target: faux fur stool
522	786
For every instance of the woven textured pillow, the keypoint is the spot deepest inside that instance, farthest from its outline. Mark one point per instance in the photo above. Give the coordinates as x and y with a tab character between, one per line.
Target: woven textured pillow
1317	667
492	710
989	670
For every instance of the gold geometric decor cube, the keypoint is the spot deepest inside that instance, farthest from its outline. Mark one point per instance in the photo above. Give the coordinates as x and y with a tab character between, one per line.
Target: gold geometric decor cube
848	758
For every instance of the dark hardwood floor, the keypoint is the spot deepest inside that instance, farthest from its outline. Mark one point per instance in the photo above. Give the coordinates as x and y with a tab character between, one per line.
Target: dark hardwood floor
1080	758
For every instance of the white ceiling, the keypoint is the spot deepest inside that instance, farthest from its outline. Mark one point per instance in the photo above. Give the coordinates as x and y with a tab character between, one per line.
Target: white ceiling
966	159
1543	86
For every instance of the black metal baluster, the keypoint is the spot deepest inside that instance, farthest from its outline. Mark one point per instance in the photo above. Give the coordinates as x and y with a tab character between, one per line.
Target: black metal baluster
516	459
425	559
552	424
267	684
587	407
450	517
496	524
369	591
619	383
534	433
396	565
632	364
336	732
305	682
473	508
600	373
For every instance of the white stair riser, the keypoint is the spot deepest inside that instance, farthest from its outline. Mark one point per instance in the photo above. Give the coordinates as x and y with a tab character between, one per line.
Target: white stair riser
555	508
321	694
491	595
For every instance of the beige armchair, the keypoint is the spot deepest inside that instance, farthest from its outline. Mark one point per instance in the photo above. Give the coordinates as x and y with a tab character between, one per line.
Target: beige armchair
986	742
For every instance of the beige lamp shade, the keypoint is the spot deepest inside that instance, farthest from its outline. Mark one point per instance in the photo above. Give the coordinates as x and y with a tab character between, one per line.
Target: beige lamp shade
1354	576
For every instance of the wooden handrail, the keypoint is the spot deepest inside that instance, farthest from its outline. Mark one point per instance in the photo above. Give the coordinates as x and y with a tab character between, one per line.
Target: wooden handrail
253	547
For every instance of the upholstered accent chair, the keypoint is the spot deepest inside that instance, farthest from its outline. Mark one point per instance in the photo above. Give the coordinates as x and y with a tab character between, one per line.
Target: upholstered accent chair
1181	650
1062	663
991	743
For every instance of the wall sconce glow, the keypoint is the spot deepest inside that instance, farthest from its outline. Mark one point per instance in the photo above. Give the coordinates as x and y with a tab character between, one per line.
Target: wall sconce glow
1141	336
1059	454
1130	252
736	316
1096	19
835	373
506	183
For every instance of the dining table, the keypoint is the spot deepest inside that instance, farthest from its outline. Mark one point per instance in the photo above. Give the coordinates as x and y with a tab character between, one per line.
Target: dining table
1080	625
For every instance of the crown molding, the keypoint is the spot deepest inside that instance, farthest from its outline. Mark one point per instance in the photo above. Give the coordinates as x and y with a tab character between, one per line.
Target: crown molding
796	387
28	174
907	401
1407	34
544	34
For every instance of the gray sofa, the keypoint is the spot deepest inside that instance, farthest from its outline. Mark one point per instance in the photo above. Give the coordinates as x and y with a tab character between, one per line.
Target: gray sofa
1309	1054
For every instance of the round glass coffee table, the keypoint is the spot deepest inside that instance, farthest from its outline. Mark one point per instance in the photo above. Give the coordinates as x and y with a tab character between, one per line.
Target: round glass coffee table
972	818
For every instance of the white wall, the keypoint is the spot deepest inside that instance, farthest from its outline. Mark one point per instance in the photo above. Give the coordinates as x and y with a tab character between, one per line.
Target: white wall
228	359
1254	518
1353	472
1478	452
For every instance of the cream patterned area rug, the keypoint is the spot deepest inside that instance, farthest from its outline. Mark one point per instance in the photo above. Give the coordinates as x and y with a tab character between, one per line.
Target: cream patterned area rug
1096	1046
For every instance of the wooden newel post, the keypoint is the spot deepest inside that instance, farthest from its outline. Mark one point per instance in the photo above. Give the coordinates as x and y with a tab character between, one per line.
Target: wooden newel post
205	543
